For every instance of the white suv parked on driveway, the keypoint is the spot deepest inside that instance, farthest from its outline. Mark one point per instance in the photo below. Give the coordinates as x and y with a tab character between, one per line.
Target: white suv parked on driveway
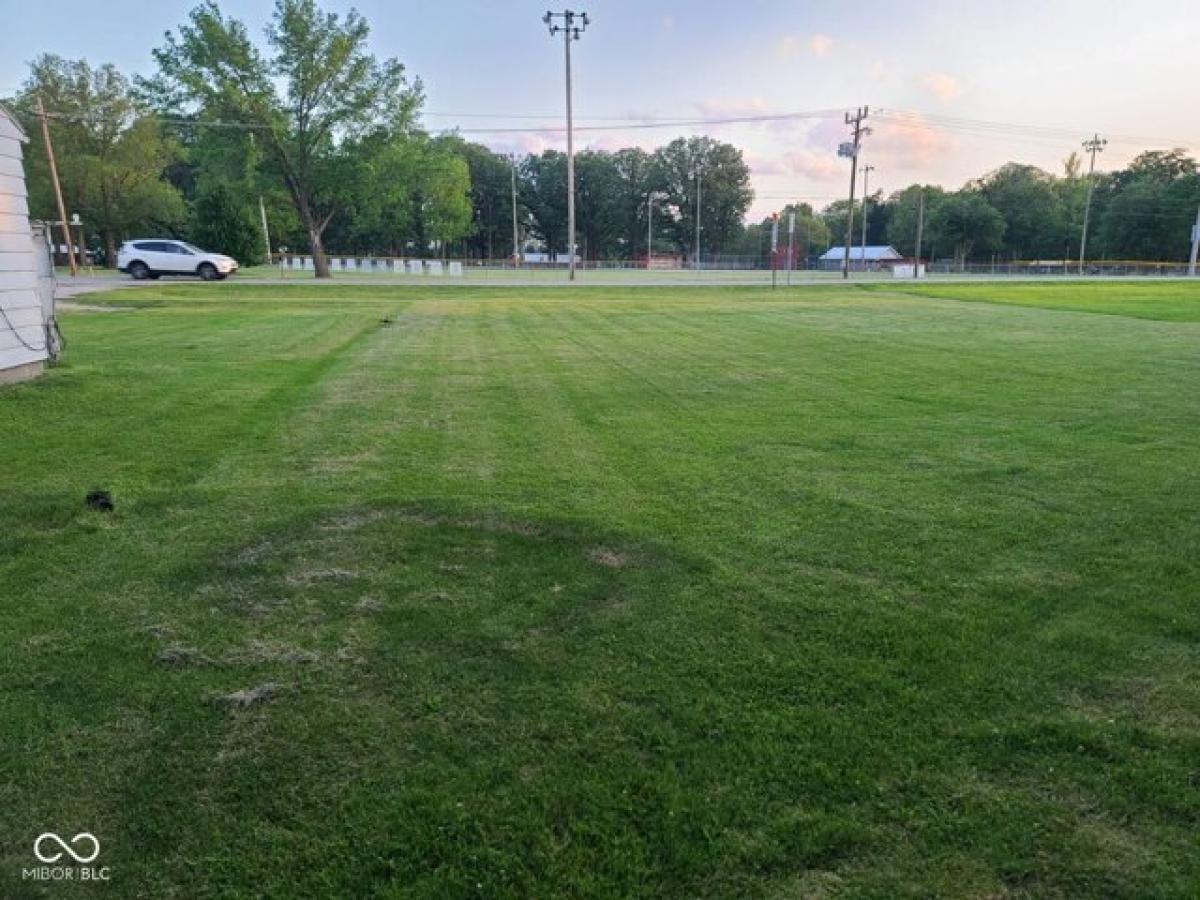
151	258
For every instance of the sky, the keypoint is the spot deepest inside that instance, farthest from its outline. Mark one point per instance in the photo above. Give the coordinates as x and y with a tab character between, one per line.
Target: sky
955	89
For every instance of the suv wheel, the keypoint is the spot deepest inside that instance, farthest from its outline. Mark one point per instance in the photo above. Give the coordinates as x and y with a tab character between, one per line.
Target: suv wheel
139	270
207	271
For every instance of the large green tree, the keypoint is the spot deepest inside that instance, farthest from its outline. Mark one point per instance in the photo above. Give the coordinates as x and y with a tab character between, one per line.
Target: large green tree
491	200
713	174
1034	215
599	188
1150	206
904	211
543	190
637	180
968	223
316	90
111	152
224	223
406	195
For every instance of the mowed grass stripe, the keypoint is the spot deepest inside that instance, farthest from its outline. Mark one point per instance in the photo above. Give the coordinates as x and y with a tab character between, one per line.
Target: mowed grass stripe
618	593
1167	301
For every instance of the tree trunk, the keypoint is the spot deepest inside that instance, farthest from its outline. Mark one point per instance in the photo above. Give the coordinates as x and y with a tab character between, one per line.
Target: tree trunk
110	250
320	260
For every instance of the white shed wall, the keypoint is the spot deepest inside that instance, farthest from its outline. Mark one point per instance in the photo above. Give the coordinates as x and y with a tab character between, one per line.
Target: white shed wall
22	332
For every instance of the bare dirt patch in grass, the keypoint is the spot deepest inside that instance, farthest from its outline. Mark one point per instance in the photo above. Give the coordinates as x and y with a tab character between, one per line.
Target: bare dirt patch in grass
268	690
304	577
608	557
179	657
352	520
368	604
259	652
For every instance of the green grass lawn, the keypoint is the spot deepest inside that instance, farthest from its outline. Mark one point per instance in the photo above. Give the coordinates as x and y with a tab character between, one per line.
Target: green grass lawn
609	593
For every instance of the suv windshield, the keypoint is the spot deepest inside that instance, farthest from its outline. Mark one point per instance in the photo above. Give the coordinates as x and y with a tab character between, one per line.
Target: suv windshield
191	247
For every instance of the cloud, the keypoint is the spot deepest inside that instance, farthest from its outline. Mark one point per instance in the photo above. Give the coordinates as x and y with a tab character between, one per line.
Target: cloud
611	142
728	109
820	44
944	87
815	165
811	164
909	144
531	143
827	134
789	46
668	22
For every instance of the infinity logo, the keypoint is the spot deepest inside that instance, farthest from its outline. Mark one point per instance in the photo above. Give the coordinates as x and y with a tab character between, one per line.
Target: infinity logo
68	848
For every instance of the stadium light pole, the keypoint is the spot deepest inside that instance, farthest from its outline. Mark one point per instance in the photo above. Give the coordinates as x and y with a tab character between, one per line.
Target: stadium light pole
697	217
1093	146
571	32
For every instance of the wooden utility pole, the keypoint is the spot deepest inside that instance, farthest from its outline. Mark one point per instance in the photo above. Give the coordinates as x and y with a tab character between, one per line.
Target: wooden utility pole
262	211
62	210
850	150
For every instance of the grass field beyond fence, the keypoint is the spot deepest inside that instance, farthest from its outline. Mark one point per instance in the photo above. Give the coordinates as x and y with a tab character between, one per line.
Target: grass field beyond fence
832	592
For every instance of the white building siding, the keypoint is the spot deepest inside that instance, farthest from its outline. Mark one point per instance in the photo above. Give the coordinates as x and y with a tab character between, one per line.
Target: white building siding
11	166
22	330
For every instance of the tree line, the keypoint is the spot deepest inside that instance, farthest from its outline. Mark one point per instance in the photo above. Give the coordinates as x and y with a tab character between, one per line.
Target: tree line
312	131
1143	211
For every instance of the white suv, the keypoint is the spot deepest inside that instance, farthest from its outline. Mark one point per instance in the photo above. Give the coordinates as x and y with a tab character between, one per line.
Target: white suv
151	258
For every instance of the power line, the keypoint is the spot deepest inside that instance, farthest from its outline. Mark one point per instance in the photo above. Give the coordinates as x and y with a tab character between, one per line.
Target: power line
903	118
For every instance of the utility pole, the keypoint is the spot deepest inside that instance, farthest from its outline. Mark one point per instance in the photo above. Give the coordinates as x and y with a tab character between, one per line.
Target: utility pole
62	209
920	228
1094	146
571	32
850	150
650	198
866	170
697	216
262	211
807	225
791	244
516	236
774	248
649	229
1195	245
